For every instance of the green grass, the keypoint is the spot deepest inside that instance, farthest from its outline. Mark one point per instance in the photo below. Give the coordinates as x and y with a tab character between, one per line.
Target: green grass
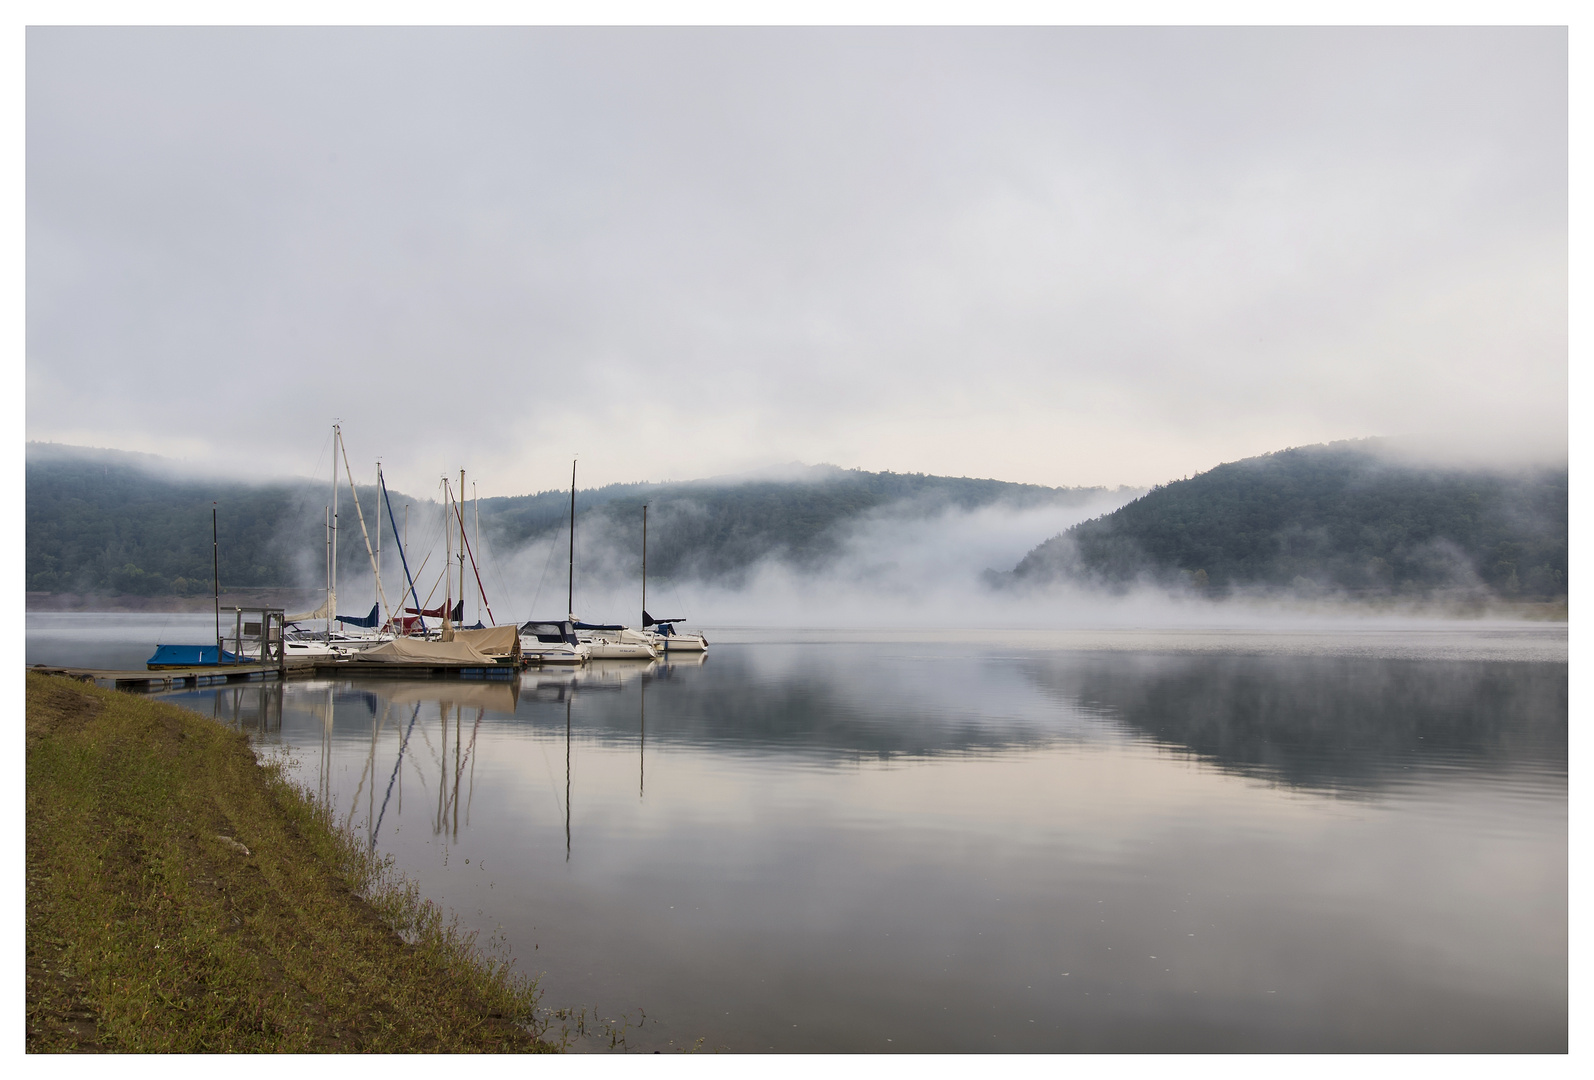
149	930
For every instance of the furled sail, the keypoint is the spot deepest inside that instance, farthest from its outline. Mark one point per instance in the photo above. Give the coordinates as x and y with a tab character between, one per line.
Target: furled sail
367	620
308	616
437	612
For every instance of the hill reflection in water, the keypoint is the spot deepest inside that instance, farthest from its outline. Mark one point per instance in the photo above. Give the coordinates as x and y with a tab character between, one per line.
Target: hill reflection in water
985	845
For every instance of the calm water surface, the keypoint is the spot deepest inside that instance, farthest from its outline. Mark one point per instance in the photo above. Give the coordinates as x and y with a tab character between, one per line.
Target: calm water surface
1067	841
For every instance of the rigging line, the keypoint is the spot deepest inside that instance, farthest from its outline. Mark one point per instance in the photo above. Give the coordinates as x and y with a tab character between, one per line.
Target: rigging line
491	559
435	584
553	547
396	764
363	532
458	513
320	453
399	537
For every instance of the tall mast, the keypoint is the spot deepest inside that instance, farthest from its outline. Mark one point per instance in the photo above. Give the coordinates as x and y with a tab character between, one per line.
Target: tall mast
329	573
458	506
379	595
215	568
571	602
644	566
332	575
448	557
476	510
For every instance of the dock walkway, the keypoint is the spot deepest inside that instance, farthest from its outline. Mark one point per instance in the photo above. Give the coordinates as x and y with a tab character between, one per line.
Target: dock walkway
167	678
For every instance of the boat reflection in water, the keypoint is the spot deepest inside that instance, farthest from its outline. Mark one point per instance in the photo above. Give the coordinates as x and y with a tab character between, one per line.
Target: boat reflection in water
965	846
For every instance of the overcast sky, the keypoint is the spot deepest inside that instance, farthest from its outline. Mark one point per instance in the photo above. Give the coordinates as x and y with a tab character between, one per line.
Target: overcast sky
1057	256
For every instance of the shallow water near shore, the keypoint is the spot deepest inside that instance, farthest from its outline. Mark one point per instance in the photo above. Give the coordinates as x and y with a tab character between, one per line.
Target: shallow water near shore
1047	841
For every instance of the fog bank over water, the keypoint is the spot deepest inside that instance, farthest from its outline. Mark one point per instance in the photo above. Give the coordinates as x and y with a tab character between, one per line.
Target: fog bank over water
904	571
892	565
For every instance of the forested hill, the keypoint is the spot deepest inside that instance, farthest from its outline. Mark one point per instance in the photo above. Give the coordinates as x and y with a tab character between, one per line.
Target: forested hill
109	521
1344	517
102	521
719	529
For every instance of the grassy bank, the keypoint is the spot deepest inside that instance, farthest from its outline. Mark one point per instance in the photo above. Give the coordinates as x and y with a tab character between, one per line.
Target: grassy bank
182	897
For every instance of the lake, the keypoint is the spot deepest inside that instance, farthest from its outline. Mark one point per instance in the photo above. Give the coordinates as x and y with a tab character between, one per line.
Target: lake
1350	838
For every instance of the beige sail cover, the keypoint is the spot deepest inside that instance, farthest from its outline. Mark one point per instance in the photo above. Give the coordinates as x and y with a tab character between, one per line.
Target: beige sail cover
492	640
419	651
318	613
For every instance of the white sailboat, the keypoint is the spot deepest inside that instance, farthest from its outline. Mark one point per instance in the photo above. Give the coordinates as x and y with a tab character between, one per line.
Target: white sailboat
554	641
666	639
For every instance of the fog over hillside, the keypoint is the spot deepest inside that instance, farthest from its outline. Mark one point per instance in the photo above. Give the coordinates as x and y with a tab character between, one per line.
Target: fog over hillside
795	543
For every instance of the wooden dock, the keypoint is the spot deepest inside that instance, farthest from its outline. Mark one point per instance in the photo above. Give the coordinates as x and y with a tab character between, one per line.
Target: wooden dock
166	677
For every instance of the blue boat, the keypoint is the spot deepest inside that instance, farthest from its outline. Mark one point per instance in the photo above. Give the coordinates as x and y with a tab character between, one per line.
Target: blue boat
185	656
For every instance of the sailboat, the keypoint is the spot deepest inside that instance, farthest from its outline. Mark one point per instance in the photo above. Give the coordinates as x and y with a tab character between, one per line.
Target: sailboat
666	639
604	641
554	641
334	644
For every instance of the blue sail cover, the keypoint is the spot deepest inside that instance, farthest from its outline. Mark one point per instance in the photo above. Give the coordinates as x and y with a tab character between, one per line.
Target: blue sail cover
598	626
192	656
369	620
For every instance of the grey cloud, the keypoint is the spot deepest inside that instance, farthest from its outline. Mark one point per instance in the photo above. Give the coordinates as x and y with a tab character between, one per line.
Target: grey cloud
1058	256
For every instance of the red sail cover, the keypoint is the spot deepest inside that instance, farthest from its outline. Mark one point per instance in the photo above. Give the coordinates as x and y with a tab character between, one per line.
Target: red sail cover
439	611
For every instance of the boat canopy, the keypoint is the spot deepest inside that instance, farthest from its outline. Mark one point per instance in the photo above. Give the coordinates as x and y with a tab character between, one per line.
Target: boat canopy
550	631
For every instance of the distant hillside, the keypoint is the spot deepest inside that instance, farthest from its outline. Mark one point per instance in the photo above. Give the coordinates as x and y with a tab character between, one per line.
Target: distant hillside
111	522
108	521
719	529
1342	517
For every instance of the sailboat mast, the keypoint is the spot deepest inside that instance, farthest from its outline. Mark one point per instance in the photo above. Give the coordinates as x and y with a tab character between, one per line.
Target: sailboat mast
644	566
329	573
332	573
379	596
448	557
476	511
458	506
215	569
570	603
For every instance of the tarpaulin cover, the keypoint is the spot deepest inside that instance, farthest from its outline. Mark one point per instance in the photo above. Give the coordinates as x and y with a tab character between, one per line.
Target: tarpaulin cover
420	651
492	640
191	656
